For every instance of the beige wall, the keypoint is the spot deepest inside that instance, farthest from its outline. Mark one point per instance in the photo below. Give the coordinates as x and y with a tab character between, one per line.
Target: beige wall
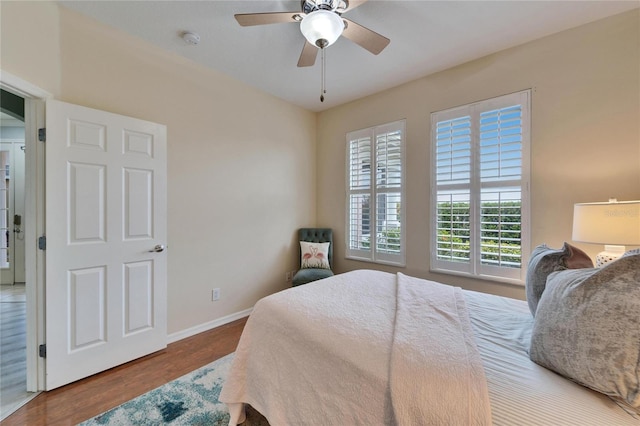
241	163
30	42
585	138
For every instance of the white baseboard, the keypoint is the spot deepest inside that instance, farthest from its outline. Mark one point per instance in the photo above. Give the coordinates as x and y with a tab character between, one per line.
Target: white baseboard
174	337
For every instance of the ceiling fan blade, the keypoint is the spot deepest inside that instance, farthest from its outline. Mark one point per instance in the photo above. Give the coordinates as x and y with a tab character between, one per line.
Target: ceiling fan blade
250	19
308	55
353	4
370	40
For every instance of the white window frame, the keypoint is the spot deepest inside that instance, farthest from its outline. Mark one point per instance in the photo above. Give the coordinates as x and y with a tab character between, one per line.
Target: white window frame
475	267
373	253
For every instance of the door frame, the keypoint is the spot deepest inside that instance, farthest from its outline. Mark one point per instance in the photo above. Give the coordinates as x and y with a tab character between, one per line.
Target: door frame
35	98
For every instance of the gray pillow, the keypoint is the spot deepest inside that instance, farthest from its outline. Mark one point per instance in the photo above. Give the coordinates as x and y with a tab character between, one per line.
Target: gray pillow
587	328
545	260
631	252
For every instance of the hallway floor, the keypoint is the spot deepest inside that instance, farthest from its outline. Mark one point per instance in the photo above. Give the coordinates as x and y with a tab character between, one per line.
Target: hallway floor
13	349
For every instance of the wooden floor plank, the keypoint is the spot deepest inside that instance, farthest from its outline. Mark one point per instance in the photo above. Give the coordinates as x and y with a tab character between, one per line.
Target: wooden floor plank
89	397
13	348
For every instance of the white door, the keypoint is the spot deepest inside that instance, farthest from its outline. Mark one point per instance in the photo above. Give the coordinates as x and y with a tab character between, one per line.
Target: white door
106	267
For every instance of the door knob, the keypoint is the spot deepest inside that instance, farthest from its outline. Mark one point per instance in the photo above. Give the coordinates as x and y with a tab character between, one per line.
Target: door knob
157	249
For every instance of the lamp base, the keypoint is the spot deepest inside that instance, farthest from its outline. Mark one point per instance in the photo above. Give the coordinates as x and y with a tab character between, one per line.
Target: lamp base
610	254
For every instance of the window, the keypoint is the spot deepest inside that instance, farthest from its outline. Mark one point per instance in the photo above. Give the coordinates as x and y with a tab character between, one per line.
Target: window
375	191
480	188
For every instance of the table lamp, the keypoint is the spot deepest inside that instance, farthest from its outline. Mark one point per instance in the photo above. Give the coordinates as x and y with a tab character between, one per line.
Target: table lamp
614	224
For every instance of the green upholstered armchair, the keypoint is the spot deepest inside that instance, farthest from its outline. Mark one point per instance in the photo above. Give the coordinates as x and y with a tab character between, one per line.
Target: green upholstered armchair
314	235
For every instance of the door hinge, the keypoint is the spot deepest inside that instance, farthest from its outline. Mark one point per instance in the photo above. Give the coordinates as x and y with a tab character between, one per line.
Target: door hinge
42	243
42	351
42	134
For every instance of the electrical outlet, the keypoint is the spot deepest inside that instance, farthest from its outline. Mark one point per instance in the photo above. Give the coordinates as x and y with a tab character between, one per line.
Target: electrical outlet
287	276
215	294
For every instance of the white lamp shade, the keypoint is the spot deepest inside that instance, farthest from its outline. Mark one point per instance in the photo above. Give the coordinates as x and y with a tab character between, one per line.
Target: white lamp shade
607	223
322	25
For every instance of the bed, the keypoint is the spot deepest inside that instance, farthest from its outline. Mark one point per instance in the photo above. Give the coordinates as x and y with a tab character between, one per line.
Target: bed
374	348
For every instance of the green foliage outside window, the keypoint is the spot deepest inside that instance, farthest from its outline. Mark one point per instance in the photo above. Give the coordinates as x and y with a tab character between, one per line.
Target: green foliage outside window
500	232
388	241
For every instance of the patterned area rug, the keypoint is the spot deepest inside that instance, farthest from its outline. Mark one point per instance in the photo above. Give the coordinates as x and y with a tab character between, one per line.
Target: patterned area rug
189	400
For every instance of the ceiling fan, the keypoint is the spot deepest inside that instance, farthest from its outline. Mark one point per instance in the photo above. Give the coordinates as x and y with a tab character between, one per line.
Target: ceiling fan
321	23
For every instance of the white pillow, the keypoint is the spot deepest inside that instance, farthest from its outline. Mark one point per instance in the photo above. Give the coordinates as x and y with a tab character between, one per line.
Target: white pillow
314	255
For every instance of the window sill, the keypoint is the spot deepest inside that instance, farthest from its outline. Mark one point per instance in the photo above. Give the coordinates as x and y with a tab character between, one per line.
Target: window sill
378	262
493	278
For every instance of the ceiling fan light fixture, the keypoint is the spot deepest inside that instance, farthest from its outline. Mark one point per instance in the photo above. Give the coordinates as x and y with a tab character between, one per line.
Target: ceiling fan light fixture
322	28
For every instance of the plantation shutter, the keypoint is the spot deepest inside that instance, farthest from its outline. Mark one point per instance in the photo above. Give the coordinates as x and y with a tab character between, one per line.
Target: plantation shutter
374	194
480	188
359	202
453	197
389	192
500	134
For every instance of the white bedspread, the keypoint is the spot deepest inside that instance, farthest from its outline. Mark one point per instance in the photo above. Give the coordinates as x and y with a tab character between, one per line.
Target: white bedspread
437	376
294	379
358	348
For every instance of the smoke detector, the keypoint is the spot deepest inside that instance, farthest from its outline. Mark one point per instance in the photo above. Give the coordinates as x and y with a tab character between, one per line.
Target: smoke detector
191	38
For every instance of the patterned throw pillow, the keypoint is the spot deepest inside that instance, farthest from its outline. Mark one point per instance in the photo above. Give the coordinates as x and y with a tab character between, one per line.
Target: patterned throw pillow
314	255
587	328
545	260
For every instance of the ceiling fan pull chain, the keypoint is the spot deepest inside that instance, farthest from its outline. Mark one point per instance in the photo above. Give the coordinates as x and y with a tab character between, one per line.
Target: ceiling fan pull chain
324	72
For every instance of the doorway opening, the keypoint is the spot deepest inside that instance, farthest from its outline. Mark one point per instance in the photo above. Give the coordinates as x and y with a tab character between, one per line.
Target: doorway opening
13	295
12	205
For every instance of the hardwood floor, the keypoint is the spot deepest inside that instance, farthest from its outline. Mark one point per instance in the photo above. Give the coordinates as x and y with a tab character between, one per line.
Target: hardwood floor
89	397
13	349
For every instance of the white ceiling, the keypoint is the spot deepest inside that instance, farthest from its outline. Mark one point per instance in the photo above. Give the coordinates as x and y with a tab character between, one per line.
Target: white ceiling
426	37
